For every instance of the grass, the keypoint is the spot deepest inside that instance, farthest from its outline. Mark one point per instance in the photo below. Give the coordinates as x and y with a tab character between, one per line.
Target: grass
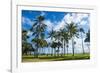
44	58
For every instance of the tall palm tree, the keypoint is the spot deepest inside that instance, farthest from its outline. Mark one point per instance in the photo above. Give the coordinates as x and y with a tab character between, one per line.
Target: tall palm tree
58	38
65	38
62	32
72	32
82	31
52	36
38	30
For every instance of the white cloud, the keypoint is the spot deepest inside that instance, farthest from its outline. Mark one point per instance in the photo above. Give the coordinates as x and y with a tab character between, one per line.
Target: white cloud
42	13
60	25
49	24
80	16
26	20
85	15
75	17
68	18
83	22
29	33
48	39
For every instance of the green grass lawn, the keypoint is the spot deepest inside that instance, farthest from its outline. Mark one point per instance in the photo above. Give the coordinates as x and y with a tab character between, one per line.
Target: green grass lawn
44	58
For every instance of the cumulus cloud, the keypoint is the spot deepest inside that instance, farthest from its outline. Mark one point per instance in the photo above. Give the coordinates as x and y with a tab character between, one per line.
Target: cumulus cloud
83	22
29	33
60	25
42	13
49	24
68	18
26	20
75	17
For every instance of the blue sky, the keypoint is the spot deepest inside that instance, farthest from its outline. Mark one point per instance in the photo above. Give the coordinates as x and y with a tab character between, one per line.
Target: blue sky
48	15
56	20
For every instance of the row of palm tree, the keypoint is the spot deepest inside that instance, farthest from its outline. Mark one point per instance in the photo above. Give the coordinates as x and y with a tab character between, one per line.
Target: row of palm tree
59	39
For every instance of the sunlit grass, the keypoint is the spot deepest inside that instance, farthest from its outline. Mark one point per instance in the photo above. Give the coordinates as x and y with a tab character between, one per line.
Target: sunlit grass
44	58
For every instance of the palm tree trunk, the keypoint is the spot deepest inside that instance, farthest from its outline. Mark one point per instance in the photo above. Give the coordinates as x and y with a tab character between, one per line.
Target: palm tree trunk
64	48
41	51
73	46
51	51
83	47
51	48
58	51
67	48
82	43
88	47
62	51
36	52
55	52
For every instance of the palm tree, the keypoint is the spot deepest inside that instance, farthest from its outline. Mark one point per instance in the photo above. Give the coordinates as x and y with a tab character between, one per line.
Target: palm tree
27	48
51	35
41	43
87	39
54	45
24	35
58	46
72	32
38	30
82	31
87	36
64	38
24	42
24	48
62	32
58	38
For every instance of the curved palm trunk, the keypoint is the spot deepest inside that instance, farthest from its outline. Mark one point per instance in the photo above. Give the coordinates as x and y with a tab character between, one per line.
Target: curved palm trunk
42	51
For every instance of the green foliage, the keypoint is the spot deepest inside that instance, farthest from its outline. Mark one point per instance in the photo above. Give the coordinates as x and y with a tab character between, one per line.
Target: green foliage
87	36
40	42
